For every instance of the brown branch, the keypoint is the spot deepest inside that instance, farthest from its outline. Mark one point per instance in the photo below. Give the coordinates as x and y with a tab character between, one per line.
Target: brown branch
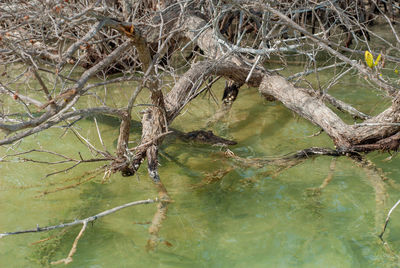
68	186
44	87
69	259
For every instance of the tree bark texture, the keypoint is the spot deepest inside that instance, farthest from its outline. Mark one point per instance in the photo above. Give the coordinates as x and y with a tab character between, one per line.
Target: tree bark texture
305	102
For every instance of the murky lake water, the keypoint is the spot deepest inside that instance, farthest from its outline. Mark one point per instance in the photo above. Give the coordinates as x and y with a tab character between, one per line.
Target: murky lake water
252	217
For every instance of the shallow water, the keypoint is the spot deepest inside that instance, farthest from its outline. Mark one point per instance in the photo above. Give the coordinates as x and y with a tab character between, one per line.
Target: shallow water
252	217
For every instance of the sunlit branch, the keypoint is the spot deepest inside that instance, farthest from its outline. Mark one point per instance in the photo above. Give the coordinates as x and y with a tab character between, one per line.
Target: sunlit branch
76	222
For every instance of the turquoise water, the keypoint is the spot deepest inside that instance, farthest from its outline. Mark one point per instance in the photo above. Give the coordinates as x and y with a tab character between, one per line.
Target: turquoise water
251	217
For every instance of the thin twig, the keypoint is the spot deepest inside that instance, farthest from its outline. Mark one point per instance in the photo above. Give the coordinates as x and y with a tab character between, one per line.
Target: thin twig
387	219
98	133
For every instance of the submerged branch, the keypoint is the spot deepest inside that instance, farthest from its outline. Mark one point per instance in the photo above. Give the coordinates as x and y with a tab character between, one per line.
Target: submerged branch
163	197
69	259
89	219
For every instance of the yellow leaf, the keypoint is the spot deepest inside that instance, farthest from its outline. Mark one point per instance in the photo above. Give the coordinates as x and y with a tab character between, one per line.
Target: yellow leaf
396	71
377	60
369	59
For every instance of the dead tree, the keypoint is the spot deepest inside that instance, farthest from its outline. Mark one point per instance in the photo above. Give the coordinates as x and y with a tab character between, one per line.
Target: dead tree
235	38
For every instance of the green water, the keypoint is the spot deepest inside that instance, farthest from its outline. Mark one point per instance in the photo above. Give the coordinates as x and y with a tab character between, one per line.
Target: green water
252	217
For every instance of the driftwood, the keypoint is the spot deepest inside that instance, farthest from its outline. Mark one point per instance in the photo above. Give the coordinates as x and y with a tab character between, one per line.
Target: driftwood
304	102
230	40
